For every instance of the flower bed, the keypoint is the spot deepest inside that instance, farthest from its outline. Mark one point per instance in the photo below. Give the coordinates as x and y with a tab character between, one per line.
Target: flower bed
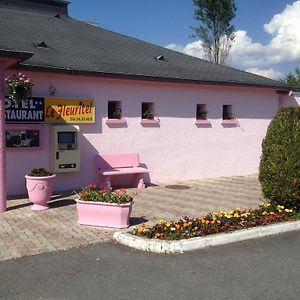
216	222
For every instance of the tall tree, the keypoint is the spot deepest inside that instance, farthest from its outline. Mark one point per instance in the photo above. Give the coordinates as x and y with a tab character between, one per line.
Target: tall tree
215	29
293	79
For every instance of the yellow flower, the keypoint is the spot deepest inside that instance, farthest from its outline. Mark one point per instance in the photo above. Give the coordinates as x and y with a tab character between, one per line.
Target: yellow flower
160	222
218	221
231	212
238	208
266	204
264	213
168	225
236	215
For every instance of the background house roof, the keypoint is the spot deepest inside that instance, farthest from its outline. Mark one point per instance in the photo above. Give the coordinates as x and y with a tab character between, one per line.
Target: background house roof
63	44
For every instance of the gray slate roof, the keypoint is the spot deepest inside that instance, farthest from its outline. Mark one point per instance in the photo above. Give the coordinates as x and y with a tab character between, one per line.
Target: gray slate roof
75	46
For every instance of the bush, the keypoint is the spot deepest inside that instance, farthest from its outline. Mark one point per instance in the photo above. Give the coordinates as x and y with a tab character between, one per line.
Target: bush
279	170
39	172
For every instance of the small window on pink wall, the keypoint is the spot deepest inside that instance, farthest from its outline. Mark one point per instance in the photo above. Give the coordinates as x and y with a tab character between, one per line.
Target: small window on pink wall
114	110
23	136
201	112
227	112
148	110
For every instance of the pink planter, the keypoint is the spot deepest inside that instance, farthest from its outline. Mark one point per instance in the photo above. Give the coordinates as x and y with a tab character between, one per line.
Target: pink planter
103	214
40	191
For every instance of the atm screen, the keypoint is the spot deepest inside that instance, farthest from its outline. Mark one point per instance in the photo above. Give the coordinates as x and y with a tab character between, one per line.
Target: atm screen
66	137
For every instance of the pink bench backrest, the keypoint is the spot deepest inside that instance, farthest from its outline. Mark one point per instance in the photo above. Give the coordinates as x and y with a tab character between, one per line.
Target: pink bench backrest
106	161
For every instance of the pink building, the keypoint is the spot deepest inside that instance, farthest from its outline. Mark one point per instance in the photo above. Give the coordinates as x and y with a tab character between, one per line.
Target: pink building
187	118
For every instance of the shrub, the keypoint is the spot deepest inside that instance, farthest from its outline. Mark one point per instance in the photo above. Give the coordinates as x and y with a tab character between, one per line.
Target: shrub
279	170
39	172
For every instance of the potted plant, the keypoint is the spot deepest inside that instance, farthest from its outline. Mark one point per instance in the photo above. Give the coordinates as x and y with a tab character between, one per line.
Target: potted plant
39	184
19	87
100	207
201	115
117	114
148	115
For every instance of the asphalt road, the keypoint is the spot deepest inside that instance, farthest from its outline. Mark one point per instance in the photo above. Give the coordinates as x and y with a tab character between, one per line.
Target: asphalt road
266	268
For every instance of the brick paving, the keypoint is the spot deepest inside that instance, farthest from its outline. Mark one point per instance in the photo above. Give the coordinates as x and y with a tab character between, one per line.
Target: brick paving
25	232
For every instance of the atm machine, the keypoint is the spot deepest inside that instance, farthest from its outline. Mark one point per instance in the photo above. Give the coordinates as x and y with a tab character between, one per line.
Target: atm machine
65	148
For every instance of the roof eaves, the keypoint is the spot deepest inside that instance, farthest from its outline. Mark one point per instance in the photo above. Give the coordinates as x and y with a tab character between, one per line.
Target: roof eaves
144	77
21	55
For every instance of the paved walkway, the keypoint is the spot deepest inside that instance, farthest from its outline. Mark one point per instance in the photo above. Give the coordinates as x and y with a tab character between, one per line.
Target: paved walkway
24	232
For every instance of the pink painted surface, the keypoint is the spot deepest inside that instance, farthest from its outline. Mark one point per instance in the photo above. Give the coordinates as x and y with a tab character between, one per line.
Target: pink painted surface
2	141
116	121
149	121
292	100
106	161
174	150
103	214
40	191
116	164
203	122
229	122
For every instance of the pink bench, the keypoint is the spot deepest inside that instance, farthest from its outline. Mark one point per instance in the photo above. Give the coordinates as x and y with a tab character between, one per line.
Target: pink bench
111	164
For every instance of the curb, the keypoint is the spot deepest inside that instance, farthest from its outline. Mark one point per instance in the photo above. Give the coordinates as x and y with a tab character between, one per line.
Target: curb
180	246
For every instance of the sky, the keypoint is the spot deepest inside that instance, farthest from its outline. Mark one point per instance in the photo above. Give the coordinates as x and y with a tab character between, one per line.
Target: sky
267	31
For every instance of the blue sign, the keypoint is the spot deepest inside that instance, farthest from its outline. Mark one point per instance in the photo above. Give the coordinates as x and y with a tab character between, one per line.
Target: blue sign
30	110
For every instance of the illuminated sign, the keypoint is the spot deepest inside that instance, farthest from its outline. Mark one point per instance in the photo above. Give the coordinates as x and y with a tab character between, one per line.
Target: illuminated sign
68	110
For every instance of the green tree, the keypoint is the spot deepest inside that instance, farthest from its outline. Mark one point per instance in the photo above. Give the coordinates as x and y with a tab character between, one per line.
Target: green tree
215	29
293	79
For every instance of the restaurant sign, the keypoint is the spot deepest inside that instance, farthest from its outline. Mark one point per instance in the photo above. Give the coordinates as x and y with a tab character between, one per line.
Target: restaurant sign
50	110
30	110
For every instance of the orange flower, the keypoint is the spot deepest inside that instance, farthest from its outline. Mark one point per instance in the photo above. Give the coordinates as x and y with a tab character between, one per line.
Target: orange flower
177	226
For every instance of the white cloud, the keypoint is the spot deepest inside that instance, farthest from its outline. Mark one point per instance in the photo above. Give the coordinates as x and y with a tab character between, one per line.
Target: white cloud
194	49
270	73
284	45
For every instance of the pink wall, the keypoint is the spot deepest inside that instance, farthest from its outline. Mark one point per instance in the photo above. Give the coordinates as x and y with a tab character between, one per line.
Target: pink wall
175	150
293	100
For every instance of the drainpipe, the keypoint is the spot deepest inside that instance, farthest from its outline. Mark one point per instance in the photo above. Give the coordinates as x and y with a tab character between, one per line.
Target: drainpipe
2	141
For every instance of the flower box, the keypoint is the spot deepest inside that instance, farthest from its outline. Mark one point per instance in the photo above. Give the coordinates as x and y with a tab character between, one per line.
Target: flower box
103	214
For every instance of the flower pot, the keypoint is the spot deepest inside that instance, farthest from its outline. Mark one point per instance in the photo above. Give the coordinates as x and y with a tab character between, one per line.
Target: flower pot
40	191
103	214
19	93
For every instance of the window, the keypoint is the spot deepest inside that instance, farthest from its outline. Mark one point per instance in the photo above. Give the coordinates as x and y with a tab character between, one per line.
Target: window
201	112
227	112
22	138
114	110
148	110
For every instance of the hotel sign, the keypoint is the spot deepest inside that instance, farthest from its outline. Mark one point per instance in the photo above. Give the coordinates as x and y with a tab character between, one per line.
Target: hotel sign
50	110
30	110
